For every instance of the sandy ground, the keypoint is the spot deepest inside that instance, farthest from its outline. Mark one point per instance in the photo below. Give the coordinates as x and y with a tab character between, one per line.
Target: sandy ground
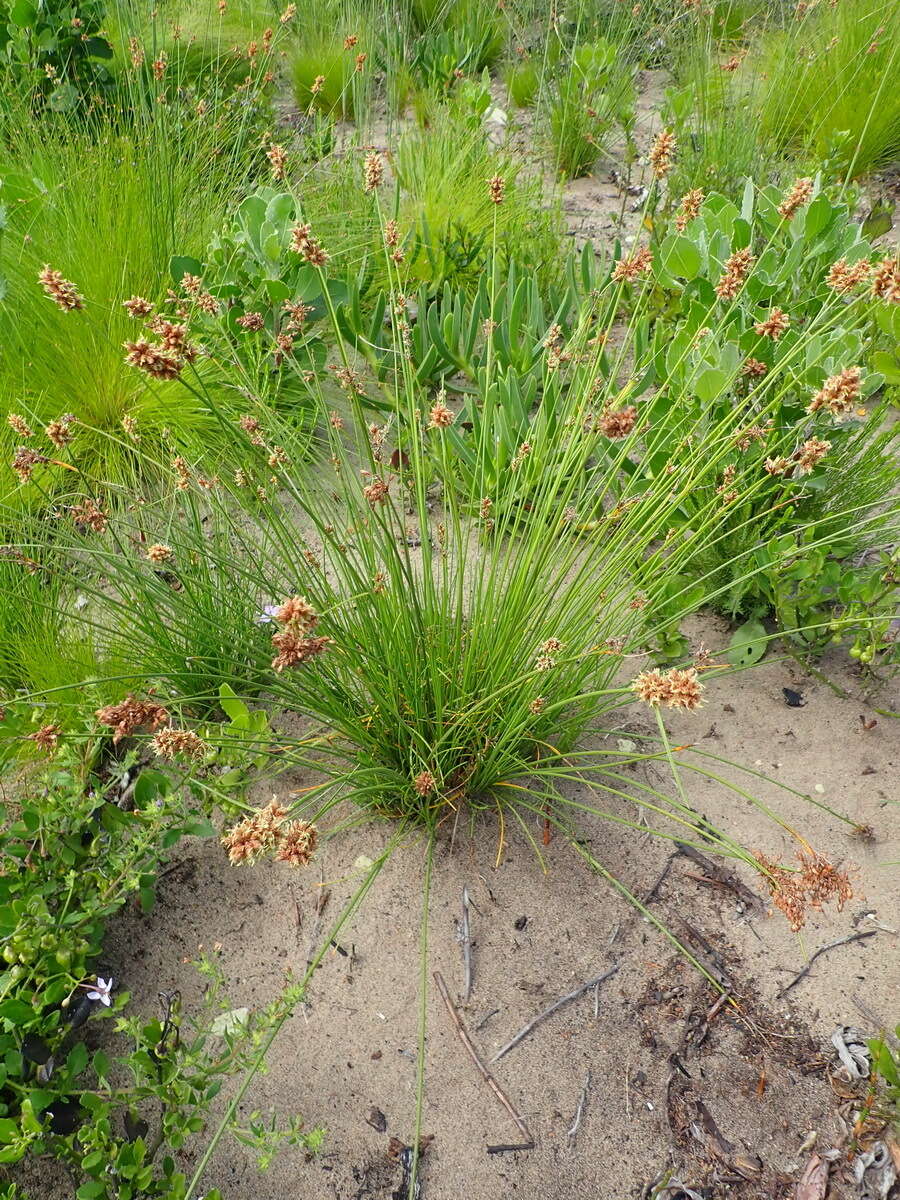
729	1114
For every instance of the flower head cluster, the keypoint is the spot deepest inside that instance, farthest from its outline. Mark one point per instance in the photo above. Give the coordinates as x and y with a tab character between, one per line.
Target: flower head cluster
308	247
19	425
160	553
815	882
496	189
86	515
297	619
266	831
25	460
373	171
733	278
424	784
617	423
637	264
175	743
843	278
839	394
157	361
130	714
886	281
799	194
810	454
59	432
137	306
46	738
690	207
662	153
277	157
773	326
675	688
62	292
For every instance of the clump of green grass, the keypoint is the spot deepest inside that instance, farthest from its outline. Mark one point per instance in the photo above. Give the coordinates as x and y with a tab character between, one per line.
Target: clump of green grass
588	101
331	71
106	206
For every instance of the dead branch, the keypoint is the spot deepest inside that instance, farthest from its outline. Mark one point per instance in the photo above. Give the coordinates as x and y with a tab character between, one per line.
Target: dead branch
557	1004
485	1073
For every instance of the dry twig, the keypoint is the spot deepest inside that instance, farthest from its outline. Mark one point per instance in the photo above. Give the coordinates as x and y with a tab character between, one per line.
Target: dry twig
572	1132
844	941
557	1004
485	1073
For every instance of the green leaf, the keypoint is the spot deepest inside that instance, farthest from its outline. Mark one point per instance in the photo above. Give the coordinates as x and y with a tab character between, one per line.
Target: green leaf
92	1190
9	1130
818	216
681	257
748	644
879	221
710	384
887	365
78	1059
181	265
63	98
23	13
231	705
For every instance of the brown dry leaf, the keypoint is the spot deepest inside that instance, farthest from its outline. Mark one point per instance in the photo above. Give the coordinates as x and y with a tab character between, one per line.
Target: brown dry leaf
813	1183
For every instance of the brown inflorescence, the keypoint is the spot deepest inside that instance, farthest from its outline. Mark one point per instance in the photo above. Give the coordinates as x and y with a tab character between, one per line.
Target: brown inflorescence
25	460
373	171
160	553
297	843
617	423
174	743
886	281
676	688
19	425
815	882
737	268
62	292
690	207
424	784
773	326
799	194
810	455
496	189
630	268
662	153
86	515
843	278
839	394
46	737
137	306
131	714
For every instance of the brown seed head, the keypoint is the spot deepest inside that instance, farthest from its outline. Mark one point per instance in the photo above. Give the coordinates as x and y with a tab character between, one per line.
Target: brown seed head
773	326
174	743
737	268
129	715
19	425
62	292
662	153
800	194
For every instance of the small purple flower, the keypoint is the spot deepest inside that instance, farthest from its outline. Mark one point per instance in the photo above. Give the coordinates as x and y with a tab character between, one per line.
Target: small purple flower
100	991
267	616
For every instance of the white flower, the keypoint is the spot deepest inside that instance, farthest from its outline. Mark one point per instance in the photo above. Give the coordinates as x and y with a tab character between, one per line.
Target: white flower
267	616
101	991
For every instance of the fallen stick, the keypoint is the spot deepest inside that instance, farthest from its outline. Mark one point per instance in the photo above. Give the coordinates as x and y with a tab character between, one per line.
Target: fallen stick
465	936
572	1132
844	941
557	1004
485	1073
